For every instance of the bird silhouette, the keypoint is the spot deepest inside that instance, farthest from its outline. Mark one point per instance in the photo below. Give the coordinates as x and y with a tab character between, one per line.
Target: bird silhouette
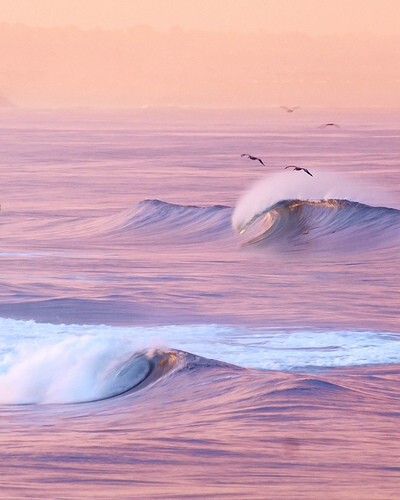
300	168
289	110
324	125
253	158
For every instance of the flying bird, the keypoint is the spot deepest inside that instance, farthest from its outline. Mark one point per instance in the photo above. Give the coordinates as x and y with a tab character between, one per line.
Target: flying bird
289	110
300	168
253	158
324	125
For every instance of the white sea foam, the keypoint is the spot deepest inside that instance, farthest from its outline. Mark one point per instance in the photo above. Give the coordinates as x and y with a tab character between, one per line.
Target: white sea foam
65	370
44	363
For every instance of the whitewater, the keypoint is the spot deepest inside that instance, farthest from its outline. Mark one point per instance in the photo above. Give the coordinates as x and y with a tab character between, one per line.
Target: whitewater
178	322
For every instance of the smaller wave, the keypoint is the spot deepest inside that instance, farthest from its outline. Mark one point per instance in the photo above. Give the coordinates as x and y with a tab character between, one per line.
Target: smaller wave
148	218
156	216
300	385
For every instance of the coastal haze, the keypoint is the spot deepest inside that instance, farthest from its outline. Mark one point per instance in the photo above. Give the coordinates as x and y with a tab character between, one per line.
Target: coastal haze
178	320
209	54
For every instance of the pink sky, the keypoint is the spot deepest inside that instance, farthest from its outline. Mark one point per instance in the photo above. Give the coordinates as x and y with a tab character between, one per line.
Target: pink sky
200	52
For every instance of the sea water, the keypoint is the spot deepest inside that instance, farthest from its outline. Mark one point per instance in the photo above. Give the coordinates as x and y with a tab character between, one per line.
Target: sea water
178	321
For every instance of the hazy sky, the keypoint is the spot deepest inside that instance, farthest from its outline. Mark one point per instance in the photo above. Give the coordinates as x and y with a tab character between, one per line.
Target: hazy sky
307	16
259	52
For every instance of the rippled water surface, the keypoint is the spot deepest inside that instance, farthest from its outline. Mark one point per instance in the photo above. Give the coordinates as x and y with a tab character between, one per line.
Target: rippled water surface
178	321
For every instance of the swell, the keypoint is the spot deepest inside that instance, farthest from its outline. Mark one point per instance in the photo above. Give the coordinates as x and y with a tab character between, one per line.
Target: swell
190	222
333	224
154	218
215	380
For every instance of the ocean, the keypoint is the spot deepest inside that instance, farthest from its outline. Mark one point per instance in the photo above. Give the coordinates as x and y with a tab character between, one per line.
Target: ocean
180	321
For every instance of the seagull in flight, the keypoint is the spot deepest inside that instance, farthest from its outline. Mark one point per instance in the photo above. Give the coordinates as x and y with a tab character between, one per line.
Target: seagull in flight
324	125
300	168
289	110
253	158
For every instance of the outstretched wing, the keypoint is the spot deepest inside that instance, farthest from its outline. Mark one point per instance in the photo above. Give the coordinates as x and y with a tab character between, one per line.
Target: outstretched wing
289	110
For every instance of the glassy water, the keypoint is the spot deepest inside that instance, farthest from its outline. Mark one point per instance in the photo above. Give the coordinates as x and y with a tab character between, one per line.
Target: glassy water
179	321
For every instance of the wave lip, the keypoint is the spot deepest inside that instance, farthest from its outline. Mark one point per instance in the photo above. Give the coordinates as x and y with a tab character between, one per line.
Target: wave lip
140	370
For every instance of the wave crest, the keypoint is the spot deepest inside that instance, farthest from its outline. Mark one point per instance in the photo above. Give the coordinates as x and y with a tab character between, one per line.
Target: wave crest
325	224
272	213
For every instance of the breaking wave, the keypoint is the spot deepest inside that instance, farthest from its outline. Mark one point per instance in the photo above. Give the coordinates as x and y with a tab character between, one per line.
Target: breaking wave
307	221
331	224
63	364
78	370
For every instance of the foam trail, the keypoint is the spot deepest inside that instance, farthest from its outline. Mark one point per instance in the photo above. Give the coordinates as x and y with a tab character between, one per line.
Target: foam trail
297	186
44	363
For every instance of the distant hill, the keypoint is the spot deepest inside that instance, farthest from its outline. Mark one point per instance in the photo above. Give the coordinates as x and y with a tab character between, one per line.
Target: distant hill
4	102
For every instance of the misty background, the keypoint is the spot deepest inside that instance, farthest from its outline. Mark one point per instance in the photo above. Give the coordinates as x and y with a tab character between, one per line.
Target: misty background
144	66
